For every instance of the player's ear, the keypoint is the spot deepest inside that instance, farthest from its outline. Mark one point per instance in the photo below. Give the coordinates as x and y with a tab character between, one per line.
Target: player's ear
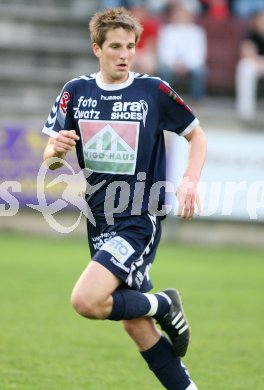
96	50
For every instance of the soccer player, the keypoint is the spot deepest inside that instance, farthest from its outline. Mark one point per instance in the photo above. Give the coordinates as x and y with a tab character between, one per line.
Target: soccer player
115	119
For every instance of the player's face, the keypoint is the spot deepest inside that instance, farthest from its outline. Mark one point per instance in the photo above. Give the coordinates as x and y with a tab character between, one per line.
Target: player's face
116	55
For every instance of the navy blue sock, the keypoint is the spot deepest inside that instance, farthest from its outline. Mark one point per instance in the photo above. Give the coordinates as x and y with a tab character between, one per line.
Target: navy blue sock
167	367
163	307
129	304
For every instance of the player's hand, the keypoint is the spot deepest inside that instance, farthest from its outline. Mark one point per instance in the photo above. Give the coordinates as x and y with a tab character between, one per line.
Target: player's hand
65	141
188	197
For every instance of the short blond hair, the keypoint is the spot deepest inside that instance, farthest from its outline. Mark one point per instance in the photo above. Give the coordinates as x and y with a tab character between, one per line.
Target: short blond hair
110	19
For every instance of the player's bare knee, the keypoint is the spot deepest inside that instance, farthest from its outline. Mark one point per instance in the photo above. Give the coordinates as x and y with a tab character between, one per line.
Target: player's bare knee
86	306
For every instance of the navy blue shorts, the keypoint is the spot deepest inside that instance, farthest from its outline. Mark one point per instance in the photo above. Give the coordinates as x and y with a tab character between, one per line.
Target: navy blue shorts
127	248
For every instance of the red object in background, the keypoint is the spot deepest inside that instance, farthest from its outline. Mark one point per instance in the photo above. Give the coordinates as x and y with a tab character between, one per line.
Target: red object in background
217	9
150	32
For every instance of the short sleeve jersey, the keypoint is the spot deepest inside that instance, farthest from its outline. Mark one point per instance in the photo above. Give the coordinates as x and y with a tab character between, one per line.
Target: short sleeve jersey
121	138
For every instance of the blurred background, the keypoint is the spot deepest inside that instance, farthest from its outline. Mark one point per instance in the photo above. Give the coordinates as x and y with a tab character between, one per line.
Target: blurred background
212	53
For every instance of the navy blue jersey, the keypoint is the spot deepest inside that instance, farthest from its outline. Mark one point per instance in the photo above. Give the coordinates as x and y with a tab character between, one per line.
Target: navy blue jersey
121	139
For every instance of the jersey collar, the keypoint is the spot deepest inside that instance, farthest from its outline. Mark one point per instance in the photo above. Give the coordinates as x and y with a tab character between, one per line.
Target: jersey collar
114	87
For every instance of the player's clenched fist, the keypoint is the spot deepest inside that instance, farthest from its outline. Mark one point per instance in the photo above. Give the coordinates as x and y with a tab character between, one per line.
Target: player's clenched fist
65	141
60	146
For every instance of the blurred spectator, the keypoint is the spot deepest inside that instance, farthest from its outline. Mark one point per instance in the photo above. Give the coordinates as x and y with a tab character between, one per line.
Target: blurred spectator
217	9
155	6
182	50
120	3
246	8
193	6
250	69
146	57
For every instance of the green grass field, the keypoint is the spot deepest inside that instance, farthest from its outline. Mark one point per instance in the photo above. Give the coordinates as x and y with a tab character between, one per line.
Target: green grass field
44	345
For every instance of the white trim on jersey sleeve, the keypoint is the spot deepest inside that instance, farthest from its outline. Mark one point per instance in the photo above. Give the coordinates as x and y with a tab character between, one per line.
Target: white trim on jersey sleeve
114	87
191	126
50	132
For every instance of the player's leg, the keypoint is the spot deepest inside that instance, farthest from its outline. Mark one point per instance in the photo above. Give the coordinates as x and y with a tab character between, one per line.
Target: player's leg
92	294
125	259
159	354
96	295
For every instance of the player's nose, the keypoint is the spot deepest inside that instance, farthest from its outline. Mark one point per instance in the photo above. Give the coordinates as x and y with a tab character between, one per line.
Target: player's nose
123	54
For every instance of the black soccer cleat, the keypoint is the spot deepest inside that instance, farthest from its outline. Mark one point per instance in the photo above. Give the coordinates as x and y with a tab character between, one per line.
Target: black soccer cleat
175	323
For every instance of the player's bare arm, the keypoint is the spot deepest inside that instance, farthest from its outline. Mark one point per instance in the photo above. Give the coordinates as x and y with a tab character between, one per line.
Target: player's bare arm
187	193
60	146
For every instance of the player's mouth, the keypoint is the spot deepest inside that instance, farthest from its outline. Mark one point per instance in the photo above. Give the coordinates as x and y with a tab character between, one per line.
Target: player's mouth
122	66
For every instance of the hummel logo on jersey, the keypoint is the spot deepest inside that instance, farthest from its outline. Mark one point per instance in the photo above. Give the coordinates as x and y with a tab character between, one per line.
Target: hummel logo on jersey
130	110
115	97
110	147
